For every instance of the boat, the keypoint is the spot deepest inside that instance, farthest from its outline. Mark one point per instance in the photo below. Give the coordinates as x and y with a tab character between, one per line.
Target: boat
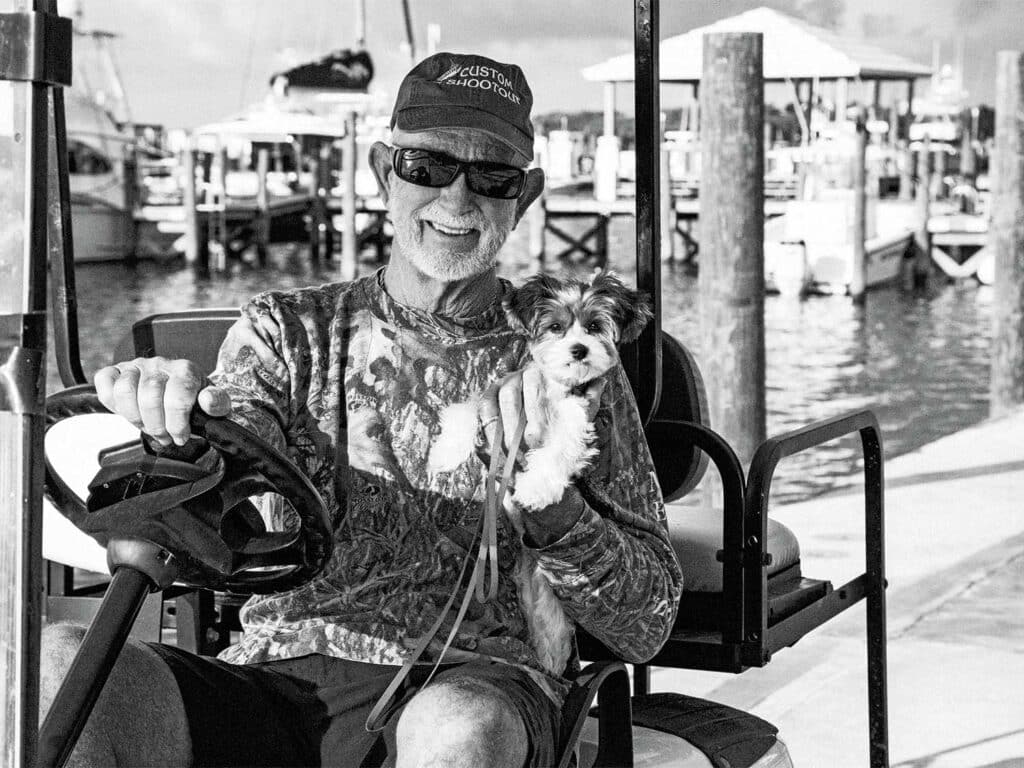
809	249
102	224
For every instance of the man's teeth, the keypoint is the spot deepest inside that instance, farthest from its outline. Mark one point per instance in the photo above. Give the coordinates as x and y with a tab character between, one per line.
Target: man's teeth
448	230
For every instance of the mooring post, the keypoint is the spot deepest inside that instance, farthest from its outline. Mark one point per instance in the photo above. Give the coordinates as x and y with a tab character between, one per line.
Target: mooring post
320	240
262	206
536	222
349	237
905	159
731	281
131	199
1007	238
939	172
859	278
921	264
667	218
197	249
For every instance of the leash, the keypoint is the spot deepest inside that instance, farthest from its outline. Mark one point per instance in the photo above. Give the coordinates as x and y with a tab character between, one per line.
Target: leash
486	560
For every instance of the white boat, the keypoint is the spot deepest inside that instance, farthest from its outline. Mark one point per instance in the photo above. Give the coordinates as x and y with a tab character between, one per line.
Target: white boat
809	249
97	148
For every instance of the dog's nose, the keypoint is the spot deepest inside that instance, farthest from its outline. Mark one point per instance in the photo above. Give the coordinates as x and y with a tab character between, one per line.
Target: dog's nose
578	351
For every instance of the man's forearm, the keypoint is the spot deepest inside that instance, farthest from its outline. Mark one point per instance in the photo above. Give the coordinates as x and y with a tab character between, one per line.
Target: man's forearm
621	586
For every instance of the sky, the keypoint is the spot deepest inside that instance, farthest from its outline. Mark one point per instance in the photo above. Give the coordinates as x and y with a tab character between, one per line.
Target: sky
185	62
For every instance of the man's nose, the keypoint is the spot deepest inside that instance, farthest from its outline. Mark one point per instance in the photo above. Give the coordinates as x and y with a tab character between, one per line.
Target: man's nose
578	351
456	196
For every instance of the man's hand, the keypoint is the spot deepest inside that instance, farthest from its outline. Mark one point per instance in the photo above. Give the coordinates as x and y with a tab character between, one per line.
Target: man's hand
521	394
157	395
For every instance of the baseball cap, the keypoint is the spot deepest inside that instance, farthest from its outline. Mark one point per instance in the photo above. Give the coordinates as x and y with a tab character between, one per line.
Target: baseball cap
458	90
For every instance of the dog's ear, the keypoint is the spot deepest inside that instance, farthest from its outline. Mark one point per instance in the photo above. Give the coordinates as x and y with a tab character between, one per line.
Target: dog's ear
632	308
521	303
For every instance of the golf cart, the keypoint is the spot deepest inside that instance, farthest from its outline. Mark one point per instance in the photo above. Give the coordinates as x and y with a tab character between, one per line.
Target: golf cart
183	527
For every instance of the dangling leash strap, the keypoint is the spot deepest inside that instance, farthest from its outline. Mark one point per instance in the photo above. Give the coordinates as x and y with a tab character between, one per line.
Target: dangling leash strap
486	557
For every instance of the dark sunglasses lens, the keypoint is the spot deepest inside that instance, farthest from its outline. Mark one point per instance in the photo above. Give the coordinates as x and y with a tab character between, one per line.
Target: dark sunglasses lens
425	168
495	180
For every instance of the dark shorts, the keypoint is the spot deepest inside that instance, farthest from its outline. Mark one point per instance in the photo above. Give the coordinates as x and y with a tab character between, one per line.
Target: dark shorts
312	710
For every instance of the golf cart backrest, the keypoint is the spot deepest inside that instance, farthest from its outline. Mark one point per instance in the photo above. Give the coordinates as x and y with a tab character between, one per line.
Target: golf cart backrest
197	334
194	334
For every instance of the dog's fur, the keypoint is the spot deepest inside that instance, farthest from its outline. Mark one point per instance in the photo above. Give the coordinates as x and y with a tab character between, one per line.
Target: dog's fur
573	329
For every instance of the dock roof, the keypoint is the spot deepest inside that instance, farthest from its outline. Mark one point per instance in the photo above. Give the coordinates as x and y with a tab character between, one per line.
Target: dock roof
793	50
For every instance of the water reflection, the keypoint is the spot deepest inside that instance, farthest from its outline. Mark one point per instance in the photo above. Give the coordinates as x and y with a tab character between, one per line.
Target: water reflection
921	362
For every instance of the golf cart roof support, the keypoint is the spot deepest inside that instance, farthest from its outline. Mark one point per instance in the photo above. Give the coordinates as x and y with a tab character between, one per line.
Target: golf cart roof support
35	53
643	360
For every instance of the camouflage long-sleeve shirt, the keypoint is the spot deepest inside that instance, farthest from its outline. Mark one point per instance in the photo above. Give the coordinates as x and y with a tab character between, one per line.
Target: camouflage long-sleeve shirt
351	384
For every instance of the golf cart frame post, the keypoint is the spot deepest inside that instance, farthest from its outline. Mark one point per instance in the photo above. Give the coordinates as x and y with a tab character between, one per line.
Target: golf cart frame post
36	56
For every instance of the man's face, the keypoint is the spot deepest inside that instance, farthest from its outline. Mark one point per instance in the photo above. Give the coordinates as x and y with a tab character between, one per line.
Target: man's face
450	233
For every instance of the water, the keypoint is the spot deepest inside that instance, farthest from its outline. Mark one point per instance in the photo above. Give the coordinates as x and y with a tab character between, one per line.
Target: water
921	362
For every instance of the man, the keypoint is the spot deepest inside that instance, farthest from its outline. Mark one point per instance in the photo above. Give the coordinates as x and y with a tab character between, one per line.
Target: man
349	379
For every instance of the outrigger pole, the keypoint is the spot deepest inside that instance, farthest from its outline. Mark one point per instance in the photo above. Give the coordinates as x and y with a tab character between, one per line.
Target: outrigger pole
643	360
35	55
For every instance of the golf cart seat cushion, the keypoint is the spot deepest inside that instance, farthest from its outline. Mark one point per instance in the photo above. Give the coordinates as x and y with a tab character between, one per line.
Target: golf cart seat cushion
696	536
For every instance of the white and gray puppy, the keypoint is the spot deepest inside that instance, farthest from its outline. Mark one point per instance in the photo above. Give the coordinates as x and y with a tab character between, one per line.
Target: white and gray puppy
573	328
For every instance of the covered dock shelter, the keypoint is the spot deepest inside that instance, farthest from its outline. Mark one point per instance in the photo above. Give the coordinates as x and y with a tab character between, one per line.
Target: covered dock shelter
794	51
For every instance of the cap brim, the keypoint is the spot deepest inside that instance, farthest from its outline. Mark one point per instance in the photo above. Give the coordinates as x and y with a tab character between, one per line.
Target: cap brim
443	116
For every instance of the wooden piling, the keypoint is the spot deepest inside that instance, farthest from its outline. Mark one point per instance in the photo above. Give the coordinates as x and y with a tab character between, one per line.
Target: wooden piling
1007	373
921	265
939	172
262	222
859	279
905	159
197	250
349	242
218	227
131	200
731	282
667	217
320	239
536	221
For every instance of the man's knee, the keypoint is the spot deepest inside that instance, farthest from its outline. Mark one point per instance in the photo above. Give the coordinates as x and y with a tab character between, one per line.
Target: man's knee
139	715
461	722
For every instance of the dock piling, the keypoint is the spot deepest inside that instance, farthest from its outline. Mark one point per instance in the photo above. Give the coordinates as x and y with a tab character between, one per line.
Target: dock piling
261	224
197	250
905	159
1007	374
349	241
859	279
921	264
731	277
667	217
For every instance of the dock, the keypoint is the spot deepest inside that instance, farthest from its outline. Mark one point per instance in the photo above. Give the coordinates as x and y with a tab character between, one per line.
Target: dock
955	567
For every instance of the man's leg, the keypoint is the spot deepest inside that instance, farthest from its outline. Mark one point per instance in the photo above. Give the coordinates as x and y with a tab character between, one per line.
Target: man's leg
461	722
139	719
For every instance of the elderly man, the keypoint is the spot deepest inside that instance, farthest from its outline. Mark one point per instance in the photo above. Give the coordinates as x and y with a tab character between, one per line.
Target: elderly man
349	379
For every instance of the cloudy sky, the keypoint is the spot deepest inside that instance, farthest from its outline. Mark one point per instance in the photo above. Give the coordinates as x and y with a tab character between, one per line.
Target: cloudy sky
189	61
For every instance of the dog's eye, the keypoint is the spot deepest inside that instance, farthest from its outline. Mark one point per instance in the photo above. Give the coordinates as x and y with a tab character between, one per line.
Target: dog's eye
555	327
594	327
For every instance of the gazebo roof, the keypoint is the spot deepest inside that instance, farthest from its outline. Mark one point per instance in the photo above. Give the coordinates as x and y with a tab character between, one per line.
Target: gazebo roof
793	50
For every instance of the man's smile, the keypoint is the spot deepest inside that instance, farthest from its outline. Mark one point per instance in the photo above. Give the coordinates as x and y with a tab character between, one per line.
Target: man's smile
448	232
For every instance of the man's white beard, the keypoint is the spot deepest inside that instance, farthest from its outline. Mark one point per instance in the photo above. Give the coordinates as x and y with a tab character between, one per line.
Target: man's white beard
448	265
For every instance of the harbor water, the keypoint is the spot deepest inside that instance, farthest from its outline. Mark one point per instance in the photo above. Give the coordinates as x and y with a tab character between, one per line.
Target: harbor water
919	360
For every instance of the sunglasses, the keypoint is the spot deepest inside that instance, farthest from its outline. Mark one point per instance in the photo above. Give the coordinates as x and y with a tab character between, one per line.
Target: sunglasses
435	169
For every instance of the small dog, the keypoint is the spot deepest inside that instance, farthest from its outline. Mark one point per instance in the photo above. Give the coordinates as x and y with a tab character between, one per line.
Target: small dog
573	328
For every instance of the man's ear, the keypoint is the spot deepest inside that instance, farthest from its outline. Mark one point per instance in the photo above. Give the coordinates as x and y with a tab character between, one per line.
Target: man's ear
532	188
380	164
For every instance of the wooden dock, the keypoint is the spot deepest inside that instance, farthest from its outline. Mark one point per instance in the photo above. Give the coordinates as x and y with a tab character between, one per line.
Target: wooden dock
592	243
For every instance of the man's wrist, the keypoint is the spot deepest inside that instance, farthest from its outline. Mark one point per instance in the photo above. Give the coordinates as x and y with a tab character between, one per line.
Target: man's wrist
543	527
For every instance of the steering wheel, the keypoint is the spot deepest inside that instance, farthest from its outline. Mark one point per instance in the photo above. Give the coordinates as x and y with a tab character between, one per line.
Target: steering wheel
198	509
